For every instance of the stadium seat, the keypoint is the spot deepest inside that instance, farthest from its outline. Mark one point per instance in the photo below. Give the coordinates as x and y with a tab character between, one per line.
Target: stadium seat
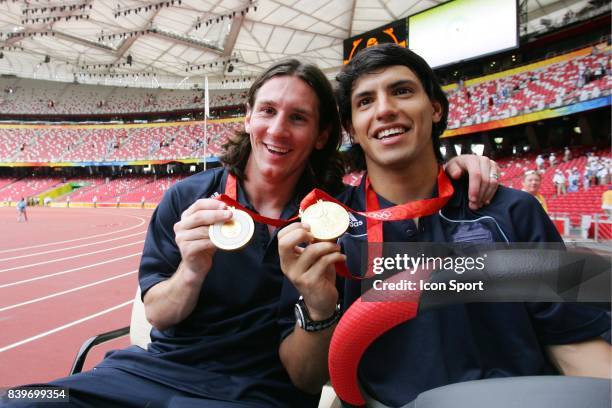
139	331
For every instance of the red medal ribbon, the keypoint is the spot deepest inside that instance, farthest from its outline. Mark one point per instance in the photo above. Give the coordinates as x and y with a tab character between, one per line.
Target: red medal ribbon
365	321
400	212
230	186
231	198
414	209
375	216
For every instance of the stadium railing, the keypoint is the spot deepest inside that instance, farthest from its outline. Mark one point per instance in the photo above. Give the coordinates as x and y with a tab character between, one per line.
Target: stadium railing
139	331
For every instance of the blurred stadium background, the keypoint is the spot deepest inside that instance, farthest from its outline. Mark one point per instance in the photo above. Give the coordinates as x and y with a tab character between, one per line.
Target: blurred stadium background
105	99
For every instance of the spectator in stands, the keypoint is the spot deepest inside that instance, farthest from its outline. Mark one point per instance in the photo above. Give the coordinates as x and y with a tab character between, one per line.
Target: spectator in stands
22	214
588	75
602	173
215	313
573	180
581	78
586	178
552	160
593	168
606	202
599	71
567	154
388	91
559	182
532	180
539	162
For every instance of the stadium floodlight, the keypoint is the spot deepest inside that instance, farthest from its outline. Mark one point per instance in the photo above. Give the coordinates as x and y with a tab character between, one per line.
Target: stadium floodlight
477	148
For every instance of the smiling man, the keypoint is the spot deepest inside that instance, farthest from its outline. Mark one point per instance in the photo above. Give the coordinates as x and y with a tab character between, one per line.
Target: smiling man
395	112
216	337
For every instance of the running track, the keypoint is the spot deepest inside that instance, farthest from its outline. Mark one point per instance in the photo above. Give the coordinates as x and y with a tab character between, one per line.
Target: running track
65	275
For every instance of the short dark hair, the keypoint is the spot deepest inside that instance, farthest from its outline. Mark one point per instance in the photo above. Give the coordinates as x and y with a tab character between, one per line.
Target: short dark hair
378	57
324	165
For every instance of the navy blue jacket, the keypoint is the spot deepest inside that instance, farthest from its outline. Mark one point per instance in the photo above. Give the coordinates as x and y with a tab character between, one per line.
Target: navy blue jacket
468	341
227	348
460	342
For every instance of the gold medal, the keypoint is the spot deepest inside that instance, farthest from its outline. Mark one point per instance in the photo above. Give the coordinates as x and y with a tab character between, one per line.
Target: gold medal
233	233
327	220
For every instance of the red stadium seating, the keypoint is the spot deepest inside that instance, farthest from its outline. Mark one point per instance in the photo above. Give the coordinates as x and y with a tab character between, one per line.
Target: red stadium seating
575	204
113	143
47	97
27	187
548	86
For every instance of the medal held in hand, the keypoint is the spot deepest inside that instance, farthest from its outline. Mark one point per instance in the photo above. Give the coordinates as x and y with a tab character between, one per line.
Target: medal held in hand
327	220
233	233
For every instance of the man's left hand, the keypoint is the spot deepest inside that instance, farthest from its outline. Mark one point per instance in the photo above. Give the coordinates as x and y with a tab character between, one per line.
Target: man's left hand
483	177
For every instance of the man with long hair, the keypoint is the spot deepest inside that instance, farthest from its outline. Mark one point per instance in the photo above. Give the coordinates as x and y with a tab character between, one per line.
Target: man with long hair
215	338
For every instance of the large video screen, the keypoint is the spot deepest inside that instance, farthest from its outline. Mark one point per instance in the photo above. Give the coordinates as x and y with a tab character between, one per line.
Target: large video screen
462	30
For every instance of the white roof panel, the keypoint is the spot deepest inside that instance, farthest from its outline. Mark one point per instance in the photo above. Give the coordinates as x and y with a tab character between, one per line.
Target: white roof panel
277	29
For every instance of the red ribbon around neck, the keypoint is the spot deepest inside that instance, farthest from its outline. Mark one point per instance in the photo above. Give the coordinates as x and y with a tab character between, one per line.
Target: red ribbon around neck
373	214
231	198
365	321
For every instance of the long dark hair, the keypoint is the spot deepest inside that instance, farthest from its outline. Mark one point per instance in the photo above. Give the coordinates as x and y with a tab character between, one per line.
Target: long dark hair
375	58
324	164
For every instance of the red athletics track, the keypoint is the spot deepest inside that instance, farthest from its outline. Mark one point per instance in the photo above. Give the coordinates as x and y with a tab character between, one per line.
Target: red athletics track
65	275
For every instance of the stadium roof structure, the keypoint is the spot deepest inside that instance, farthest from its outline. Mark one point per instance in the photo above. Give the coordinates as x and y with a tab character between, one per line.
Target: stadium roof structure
175	43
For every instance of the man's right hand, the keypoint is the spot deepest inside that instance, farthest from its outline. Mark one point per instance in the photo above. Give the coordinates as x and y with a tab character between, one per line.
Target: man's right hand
310	269
172	300
192	239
